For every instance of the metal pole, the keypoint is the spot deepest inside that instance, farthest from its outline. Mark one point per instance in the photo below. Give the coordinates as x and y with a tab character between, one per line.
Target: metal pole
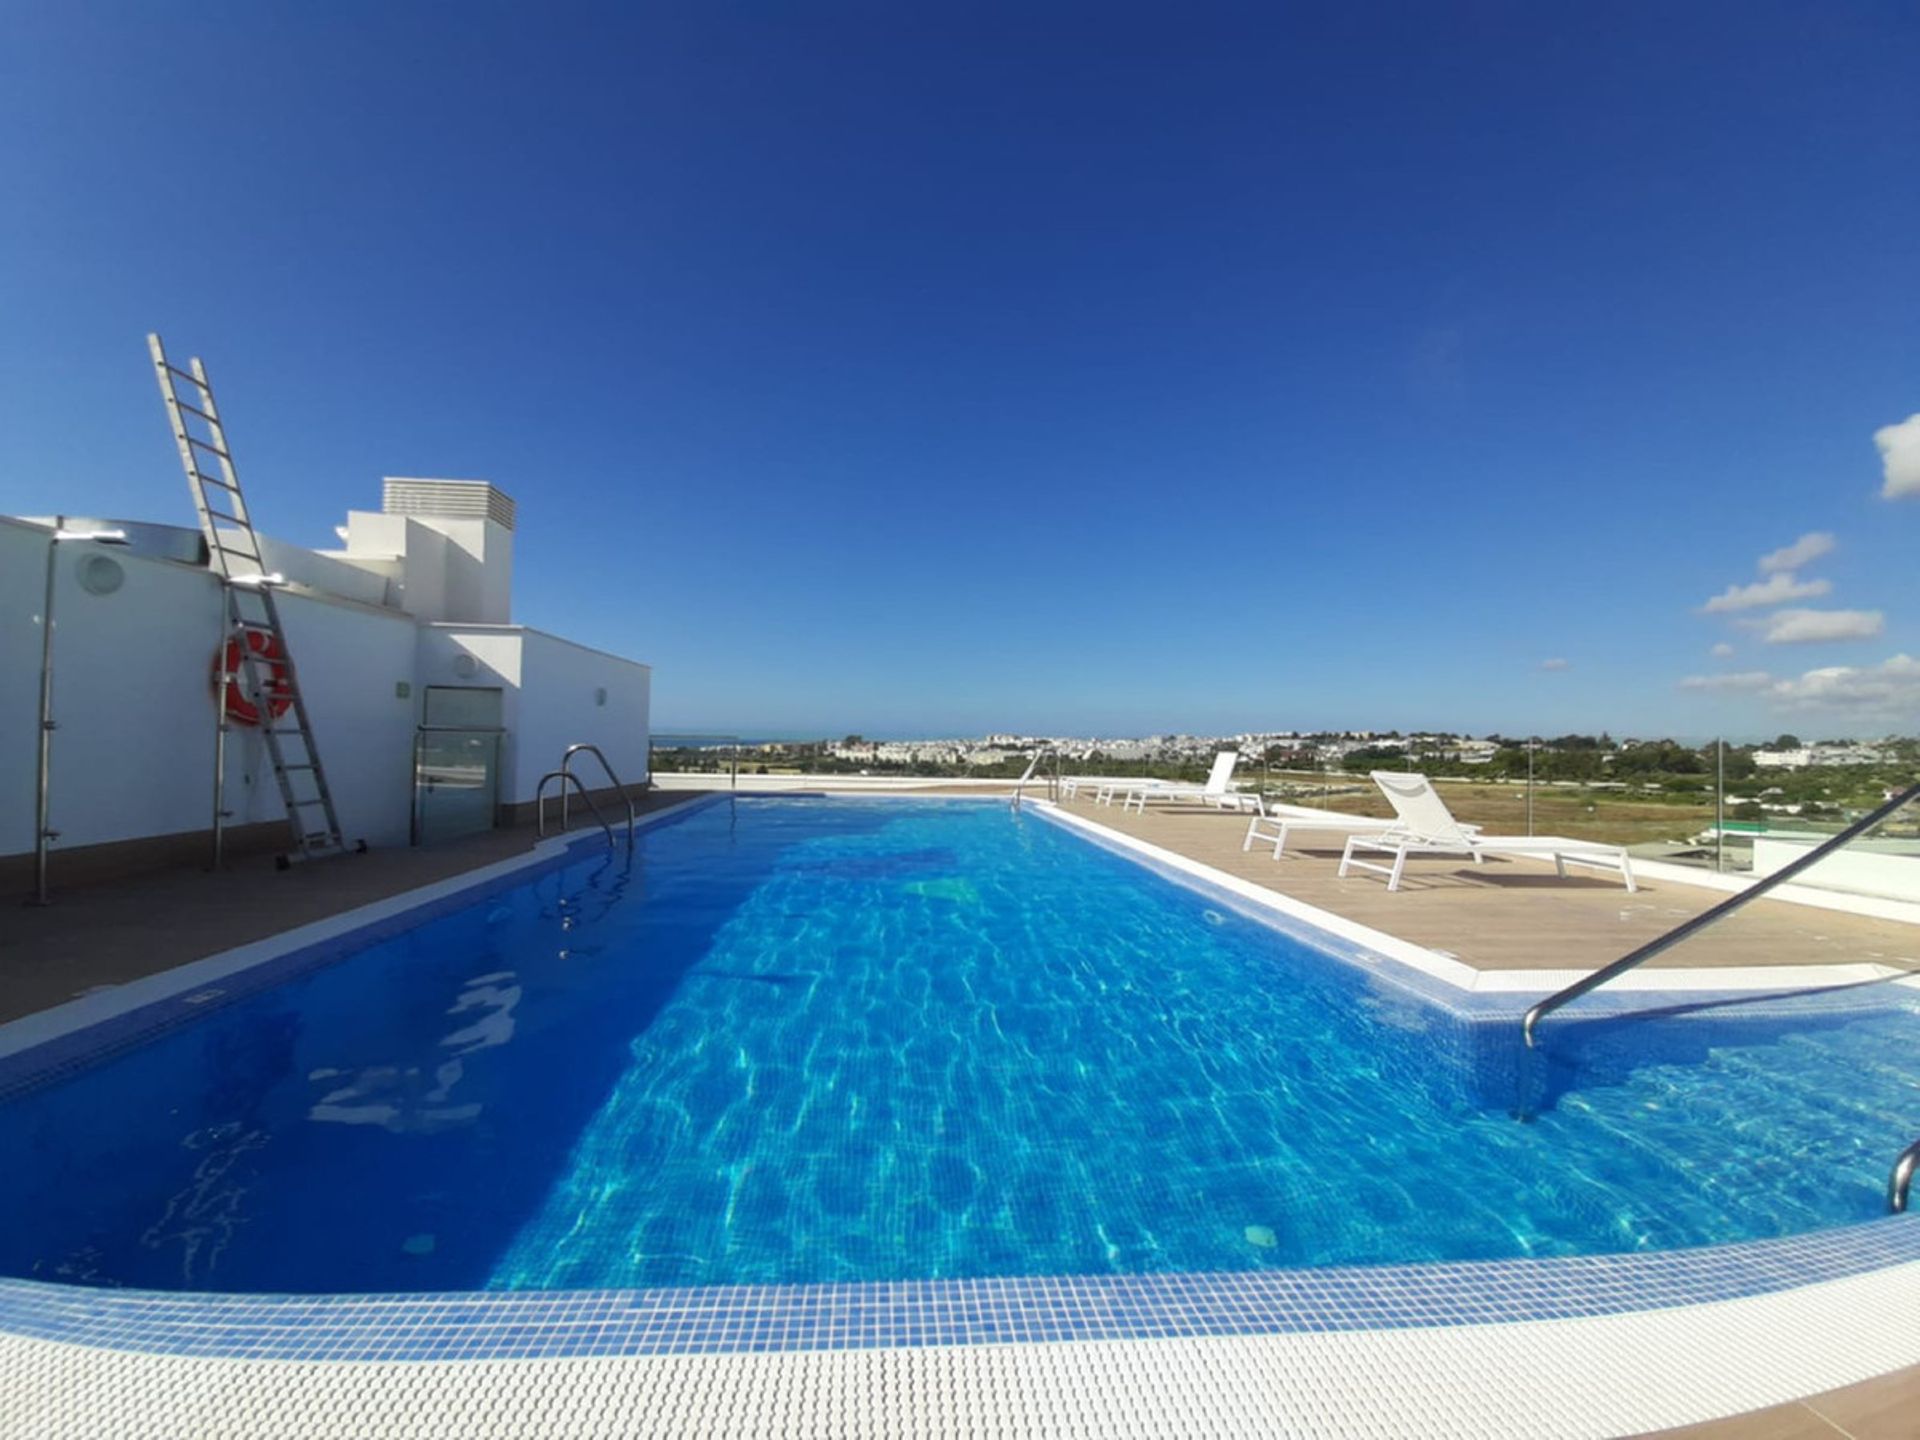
1530	745
222	688
43	836
1902	1177
1720	805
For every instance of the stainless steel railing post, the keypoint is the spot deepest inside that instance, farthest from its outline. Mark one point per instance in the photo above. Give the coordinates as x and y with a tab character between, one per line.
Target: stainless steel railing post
540	804
43	832
1901	1177
566	768
42	835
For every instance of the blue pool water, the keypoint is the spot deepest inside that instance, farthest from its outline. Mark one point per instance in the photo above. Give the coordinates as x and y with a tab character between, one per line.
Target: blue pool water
812	1040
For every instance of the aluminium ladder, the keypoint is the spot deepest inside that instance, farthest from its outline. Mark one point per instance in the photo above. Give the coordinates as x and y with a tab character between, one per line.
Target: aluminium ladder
266	673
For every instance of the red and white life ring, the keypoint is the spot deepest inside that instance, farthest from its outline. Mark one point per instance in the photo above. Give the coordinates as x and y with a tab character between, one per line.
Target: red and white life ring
266	651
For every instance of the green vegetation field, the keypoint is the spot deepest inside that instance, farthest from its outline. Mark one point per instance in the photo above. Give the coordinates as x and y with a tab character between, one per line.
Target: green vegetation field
1502	809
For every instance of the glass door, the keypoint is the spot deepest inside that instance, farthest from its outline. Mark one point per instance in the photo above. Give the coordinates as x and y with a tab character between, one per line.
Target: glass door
456	763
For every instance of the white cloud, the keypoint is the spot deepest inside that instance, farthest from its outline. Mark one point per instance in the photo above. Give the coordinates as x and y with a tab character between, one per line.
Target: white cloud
1890	689
1900	453
1742	680
1556	664
1776	589
1721	651
1808	547
1805	627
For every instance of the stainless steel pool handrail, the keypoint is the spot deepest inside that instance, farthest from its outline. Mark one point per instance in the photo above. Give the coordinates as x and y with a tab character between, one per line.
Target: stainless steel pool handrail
565	777
1032	765
566	768
1901	1177
1719	912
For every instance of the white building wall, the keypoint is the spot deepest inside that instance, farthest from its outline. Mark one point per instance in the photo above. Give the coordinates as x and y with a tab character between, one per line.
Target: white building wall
470	655
410	558
22	550
561	706
133	751
422	591
551	700
352	662
318	570
444	568
479	568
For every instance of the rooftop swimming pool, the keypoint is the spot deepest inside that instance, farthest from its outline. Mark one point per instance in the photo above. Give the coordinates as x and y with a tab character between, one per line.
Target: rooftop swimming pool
824	1040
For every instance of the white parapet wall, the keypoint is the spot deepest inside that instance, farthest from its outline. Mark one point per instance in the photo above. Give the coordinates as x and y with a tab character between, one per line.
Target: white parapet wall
582	695
1887	870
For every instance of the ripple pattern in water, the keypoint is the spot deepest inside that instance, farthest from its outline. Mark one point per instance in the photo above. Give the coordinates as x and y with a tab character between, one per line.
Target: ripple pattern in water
808	1040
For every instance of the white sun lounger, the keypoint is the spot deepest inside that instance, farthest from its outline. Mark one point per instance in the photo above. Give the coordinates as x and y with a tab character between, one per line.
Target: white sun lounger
1104	787
1276	822
1216	791
1427	827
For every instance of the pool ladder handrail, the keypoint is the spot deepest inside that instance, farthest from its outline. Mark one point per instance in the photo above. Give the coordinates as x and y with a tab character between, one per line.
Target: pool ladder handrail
1717	913
1032	765
566	768
1901	1177
565	776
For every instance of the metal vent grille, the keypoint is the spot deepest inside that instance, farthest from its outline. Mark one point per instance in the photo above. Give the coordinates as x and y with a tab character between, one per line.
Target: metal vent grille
449	499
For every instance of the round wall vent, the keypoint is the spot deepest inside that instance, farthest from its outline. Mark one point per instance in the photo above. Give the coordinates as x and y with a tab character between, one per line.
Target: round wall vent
101	574
465	666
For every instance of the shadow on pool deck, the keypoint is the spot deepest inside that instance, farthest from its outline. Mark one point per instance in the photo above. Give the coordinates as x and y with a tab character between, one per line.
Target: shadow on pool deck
112	931
391	1092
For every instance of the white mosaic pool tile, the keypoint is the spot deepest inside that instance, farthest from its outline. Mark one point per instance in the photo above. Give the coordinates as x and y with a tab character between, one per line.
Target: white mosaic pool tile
1602	1376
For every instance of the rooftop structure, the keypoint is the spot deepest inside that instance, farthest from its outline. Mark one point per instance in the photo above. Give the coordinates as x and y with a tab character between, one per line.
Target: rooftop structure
436	714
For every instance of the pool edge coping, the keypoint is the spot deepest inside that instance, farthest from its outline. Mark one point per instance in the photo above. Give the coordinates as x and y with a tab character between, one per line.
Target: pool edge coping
465	1326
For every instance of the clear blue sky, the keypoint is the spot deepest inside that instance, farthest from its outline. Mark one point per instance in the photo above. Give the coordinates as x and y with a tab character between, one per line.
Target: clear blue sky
922	369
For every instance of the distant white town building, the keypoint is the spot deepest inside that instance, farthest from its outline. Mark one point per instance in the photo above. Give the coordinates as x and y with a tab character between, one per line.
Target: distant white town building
1807	755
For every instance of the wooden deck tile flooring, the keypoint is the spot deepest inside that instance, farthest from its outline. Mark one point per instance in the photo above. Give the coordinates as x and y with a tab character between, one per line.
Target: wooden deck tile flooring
1886	1407
1517	914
